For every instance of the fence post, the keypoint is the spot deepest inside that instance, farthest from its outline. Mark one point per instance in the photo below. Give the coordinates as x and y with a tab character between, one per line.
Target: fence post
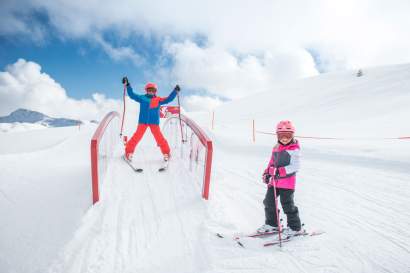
253	130
213	119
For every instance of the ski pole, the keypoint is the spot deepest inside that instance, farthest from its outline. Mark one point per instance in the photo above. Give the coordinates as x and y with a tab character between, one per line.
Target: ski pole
180	121
277	210
123	112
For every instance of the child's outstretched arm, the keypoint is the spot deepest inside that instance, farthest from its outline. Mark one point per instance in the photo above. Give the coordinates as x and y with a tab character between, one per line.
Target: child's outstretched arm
132	95
171	96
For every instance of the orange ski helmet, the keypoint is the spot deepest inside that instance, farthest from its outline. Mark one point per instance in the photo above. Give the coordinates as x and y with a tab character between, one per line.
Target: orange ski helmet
151	85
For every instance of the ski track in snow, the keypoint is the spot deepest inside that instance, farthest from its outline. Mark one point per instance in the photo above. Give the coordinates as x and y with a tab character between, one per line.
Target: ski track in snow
144	222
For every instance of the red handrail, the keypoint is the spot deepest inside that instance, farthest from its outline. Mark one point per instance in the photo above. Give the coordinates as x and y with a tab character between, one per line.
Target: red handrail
95	141
207	142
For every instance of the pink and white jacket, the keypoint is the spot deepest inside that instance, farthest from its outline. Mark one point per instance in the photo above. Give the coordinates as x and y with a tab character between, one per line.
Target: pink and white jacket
284	162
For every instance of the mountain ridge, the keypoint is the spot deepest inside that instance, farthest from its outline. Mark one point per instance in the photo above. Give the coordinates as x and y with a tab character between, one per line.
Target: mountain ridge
28	116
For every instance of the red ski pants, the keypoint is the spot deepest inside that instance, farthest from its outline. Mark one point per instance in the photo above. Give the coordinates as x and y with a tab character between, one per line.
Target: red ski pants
139	133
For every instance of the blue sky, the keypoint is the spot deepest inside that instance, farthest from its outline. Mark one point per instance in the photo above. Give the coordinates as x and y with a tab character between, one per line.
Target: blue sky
80	65
216	50
80	74
77	65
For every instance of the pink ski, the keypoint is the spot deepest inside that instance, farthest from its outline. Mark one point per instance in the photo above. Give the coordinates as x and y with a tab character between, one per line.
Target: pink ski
289	238
249	235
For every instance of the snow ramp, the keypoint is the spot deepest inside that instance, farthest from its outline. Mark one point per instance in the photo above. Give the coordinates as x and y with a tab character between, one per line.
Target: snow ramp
144	222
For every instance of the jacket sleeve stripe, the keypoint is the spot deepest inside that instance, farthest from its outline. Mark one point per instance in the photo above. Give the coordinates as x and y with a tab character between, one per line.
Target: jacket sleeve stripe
294	165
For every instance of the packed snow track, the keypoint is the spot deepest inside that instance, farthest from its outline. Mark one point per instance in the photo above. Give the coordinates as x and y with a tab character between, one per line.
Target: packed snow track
144	222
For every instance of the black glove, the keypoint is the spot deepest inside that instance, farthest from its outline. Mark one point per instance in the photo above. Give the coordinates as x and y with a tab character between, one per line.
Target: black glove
266	178
177	88
125	81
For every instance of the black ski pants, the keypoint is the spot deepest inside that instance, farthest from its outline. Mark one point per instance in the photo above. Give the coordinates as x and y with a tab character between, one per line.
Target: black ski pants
288	205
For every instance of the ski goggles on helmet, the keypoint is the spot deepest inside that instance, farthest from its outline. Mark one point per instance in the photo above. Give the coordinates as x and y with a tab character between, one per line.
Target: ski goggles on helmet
288	135
151	90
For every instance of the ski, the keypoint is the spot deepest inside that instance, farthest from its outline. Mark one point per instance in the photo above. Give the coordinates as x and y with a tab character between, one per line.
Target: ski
138	170
289	238
249	235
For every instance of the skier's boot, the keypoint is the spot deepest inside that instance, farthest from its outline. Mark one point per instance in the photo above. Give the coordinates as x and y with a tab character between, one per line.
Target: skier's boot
128	156
290	232
166	157
267	228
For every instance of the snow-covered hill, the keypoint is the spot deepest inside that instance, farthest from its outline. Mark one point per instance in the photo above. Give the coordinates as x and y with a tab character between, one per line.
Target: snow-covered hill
355	187
333	104
44	192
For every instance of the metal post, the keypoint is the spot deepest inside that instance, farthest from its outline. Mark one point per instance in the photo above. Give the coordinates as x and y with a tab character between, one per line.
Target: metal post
253	130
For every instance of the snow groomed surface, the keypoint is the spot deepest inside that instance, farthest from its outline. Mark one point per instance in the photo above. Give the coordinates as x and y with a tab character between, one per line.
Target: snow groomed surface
355	190
145	222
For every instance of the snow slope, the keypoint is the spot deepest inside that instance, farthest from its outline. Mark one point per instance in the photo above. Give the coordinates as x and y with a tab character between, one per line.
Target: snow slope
18	140
356	188
19	126
44	191
148	222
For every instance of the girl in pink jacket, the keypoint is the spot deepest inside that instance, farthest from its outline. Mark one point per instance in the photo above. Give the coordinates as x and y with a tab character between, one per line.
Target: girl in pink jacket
281	170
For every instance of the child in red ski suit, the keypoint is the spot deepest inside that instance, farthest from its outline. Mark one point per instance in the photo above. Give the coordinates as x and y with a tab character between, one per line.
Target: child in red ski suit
148	117
281	170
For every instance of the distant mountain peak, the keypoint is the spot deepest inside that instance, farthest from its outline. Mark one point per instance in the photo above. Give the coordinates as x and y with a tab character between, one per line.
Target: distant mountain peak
29	116
25	115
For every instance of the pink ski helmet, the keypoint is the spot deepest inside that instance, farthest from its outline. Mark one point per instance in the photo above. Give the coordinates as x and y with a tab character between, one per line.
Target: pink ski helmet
285	126
151	85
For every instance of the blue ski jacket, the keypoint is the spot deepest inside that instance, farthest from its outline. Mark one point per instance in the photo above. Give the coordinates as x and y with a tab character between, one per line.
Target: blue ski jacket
149	105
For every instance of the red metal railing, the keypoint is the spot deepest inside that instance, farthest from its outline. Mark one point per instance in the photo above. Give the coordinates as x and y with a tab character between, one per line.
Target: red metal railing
95	143
206	142
97	157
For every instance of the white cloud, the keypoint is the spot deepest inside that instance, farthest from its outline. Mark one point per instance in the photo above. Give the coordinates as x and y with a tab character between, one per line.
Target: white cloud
23	85
367	32
248	44
221	73
16	19
119	53
200	103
